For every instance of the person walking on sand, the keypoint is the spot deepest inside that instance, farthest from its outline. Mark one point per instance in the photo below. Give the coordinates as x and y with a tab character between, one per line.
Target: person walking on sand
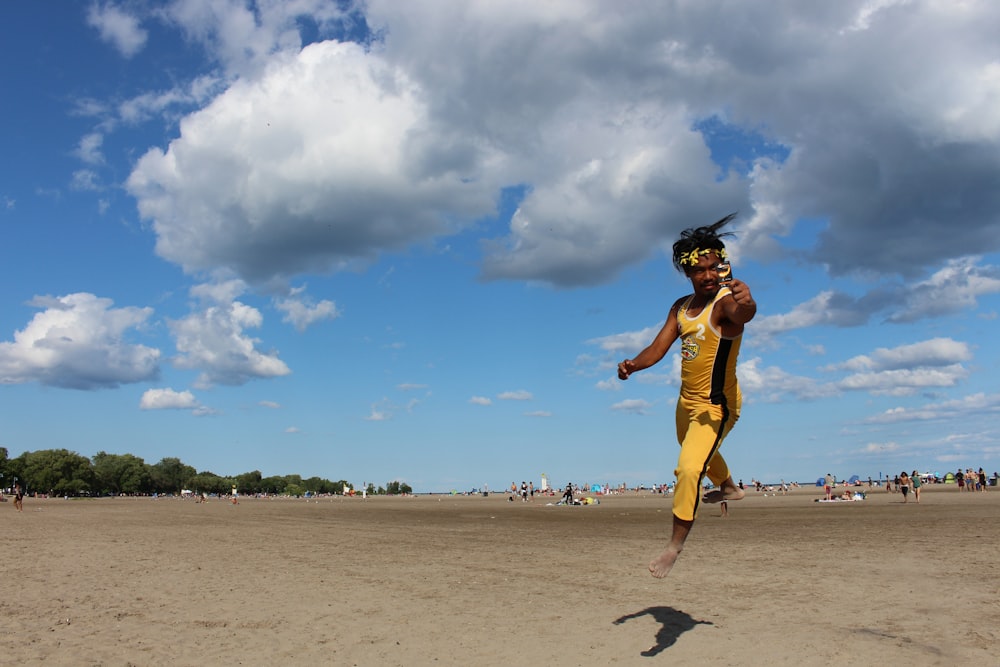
709	323
904	484
567	497
18	498
916	482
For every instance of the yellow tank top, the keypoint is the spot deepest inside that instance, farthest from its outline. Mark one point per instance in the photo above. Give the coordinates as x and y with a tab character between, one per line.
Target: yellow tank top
708	359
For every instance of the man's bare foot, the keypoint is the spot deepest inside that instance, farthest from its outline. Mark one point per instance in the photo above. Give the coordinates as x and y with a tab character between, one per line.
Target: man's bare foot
660	566
717	496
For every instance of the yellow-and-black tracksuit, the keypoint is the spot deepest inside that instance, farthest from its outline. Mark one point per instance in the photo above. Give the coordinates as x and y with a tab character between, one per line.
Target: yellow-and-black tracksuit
708	406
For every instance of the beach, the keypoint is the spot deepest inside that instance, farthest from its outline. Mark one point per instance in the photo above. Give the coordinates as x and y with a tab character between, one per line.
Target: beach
461	580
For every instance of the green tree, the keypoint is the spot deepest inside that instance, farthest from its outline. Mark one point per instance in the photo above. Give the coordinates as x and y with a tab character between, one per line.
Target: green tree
318	485
5	479
395	488
56	471
249	482
61	471
121	473
209	482
274	485
170	475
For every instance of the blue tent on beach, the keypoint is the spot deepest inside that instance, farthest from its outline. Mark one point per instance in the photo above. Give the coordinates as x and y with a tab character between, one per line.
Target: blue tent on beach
821	481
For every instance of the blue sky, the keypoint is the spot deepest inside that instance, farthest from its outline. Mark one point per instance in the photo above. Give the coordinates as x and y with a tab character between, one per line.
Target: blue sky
411	241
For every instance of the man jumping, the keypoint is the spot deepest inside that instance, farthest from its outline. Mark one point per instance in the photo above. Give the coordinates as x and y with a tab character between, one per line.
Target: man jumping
709	323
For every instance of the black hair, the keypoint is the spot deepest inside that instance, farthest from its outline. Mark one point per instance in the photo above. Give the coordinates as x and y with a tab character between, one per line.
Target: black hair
704	238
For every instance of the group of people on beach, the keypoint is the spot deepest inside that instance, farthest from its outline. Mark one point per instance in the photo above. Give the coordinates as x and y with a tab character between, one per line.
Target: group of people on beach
526	492
972	481
968	480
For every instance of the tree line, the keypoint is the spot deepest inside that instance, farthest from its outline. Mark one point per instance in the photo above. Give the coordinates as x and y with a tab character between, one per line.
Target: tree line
61	472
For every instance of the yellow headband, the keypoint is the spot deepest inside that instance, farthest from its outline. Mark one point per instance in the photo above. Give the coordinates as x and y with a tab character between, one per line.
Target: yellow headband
692	257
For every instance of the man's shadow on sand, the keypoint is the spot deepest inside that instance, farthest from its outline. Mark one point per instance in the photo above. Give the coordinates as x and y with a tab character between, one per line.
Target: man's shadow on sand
673	624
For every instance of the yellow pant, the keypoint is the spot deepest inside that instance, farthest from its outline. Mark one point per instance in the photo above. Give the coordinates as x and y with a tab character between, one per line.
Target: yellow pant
701	427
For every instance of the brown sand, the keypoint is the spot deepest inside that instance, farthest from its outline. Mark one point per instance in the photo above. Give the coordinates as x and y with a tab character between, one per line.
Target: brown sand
474	580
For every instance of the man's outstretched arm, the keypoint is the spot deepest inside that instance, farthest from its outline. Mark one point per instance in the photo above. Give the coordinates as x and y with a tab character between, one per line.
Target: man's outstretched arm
742	307
656	350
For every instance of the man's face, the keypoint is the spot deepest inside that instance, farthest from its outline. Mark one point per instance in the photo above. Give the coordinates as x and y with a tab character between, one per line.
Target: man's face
704	276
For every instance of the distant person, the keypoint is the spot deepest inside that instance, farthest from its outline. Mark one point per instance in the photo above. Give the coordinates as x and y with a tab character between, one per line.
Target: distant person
904	484
960	479
18	498
828	486
917	483
568	494
524	492
982	480
709	323
236	496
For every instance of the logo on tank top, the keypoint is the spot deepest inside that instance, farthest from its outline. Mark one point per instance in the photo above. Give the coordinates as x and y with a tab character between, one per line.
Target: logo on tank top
689	349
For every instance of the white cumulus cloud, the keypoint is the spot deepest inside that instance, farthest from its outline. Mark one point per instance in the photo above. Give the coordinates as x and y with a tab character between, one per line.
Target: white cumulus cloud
309	168
301	311
79	341
518	395
167	399
934	352
213	339
635	406
118	28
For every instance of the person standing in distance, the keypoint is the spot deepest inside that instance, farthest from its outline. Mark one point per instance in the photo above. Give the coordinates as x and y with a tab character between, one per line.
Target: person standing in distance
709	323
